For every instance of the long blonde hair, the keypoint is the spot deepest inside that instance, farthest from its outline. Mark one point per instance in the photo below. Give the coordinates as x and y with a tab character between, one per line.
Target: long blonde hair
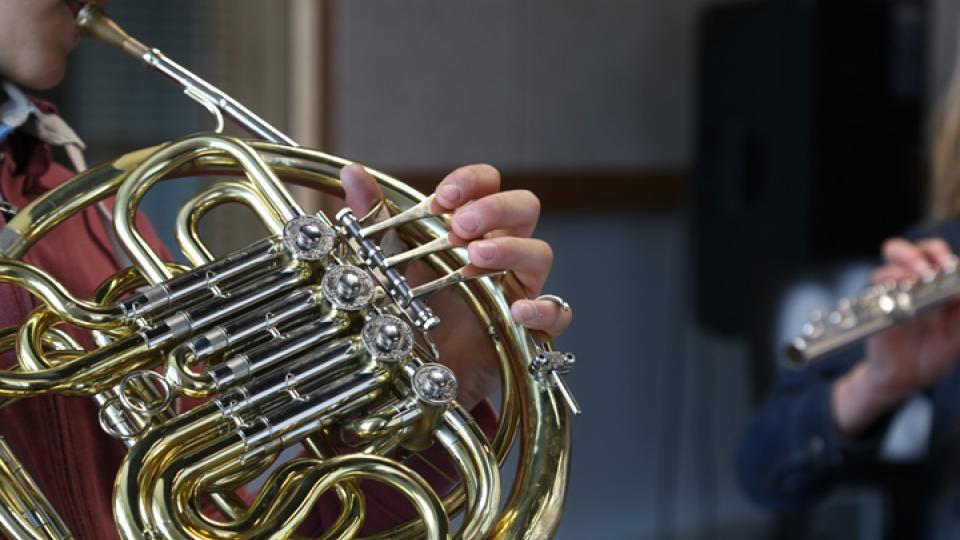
945	155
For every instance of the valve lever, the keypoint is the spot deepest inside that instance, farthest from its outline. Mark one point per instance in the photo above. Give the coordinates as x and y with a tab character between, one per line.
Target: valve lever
418	211
549	367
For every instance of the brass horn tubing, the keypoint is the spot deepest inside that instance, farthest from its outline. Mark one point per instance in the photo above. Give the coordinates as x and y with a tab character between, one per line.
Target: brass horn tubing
229	503
16	481
240	476
15	515
91	373
314	338
127	203
187	381
227	191
477	464
30	340
12	524
535	503
322	474
171	157
227	337
55	206
149	455
266	395
381	422
64	347
281	513
247	331
97	183
125	281
8	341
228	273
56	339
280	485
289	423
292	491
477	297
61	341
240	517
478	467
185	470
352	504
53	294
198	317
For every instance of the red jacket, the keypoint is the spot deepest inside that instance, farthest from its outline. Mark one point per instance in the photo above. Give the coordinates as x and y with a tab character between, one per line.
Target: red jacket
58	438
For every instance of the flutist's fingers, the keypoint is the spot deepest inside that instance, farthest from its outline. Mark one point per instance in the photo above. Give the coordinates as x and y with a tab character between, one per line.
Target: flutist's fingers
938	251
899	252
919	257
891	273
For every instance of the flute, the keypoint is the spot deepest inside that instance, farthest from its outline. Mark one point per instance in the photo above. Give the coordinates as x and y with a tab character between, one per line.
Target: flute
880	307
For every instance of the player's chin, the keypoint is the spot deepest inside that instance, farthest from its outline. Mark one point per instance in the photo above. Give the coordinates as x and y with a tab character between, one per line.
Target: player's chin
45	72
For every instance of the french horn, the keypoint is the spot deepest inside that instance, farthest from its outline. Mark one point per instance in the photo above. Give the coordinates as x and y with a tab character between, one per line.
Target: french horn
311	337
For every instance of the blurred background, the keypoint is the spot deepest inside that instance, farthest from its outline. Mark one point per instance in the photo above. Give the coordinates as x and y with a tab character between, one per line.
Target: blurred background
710	171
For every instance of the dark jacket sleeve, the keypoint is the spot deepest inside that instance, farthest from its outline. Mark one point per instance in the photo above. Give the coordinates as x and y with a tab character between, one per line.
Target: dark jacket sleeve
791	454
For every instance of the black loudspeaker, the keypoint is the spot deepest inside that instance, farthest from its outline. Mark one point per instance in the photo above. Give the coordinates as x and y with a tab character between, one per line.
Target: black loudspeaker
810	129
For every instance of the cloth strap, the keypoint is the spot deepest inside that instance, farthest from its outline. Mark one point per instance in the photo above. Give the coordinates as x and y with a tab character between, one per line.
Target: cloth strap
18	112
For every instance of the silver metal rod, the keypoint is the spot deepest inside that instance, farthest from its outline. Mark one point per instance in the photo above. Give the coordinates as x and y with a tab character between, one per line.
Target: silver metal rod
419	211
200	283
200	89
457	276
91	21
437	245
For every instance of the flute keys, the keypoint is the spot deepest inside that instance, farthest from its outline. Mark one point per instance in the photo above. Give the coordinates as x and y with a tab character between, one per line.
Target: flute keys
950	267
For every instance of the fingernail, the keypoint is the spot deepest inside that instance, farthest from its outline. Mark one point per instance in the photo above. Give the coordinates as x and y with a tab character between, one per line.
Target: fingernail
449	195
526	312
487	250
468	221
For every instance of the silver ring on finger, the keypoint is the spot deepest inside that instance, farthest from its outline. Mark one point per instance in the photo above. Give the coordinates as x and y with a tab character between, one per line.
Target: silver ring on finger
556	300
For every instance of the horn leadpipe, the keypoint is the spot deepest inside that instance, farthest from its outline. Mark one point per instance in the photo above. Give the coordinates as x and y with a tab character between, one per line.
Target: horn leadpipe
95	24
880	307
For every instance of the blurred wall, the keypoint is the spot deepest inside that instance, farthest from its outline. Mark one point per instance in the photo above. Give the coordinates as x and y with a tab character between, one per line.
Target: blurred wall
426	83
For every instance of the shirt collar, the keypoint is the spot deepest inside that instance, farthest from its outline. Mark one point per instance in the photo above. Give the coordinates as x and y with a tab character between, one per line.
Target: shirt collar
38	119
15	111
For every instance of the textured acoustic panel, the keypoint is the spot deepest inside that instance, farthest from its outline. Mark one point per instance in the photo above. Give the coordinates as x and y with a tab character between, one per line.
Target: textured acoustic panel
116	106
529	83
108	95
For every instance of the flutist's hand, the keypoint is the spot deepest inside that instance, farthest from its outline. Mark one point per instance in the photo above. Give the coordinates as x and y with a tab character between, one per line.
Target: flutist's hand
907	358
496	227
